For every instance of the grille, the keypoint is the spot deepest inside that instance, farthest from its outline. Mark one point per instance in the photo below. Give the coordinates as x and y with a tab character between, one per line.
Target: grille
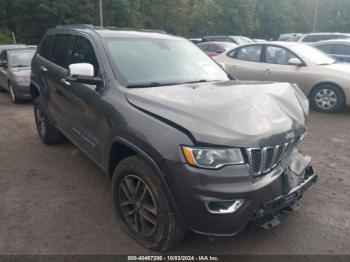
262	160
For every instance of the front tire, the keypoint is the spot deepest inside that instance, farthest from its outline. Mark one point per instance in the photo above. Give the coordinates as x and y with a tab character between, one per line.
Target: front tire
48	133
142	206
327	98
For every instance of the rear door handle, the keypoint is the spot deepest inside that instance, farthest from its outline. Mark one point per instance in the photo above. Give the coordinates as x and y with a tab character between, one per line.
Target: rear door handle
233	67
43	68
267	71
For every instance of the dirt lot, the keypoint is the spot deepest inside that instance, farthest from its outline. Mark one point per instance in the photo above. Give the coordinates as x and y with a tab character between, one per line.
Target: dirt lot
54	200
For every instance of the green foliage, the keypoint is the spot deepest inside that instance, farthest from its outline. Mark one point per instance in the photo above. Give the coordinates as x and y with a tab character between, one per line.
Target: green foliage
29	19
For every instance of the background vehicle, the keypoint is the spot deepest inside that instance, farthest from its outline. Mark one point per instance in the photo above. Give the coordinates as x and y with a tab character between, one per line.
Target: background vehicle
316	37
291	37
339	49
238	40
196	40
325	81
15	72
4	47
216	48
137	104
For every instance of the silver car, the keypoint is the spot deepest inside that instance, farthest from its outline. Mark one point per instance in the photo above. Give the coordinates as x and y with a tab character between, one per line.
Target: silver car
322	78
15	68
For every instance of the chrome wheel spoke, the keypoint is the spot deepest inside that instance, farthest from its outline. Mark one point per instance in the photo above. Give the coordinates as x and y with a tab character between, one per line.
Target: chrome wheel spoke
149	218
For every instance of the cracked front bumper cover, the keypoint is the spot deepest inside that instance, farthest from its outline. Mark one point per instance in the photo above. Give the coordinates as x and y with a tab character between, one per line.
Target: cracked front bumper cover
265	196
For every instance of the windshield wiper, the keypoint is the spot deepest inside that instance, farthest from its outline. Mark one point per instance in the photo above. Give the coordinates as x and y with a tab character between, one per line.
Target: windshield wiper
196	81
150	84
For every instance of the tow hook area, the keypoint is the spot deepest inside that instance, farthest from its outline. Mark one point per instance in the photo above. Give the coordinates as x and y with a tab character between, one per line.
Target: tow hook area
273	220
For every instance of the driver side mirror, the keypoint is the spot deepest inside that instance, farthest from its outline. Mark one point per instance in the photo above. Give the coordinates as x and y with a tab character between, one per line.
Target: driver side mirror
295	61
83	73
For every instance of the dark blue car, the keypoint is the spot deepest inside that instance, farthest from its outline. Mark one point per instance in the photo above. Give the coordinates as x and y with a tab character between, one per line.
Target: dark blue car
339	49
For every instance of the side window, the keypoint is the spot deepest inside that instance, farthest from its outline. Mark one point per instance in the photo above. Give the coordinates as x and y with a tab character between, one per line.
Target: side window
213	48
4	59
326	48
203	47
278	55
60	50
232	53
83	52
342	49
45	48
249	53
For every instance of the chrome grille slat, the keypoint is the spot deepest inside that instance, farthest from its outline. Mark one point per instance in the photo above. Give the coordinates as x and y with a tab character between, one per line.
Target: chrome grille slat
263	160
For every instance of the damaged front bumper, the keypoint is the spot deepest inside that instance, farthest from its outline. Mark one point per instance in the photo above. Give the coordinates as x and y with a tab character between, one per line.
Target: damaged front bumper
265	198
270	212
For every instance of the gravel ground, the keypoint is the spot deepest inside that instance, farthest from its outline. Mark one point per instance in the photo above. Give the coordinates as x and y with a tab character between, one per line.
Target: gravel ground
54	200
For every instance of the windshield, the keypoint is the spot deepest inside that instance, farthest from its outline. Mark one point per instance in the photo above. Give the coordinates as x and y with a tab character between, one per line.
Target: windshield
313	55
21	58
228	46
152	62
240	40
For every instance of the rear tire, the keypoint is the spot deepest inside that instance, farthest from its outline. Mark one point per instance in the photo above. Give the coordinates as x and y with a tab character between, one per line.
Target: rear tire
142	207
13	95
48	133
327	98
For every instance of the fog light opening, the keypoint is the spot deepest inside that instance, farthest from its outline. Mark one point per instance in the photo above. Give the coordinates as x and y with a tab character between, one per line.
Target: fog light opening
224	207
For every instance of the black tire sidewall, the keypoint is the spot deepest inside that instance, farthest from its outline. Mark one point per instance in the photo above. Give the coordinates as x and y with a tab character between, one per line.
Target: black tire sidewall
142	170
336	90
38	104
15	100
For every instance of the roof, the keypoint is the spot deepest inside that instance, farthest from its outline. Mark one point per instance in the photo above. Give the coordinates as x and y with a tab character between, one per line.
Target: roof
115	31
21	49
327	33
334	41
279	43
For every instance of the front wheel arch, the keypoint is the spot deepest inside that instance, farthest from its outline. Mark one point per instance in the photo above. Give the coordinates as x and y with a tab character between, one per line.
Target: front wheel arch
135	150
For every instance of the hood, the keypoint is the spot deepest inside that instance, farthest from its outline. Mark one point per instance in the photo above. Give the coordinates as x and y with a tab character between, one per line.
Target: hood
230	113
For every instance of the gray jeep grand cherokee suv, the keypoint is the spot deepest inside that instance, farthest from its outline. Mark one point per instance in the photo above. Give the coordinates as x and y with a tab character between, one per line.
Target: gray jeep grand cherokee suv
185	145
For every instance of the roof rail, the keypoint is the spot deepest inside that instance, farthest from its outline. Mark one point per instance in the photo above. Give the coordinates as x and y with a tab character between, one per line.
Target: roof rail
74	26
132	29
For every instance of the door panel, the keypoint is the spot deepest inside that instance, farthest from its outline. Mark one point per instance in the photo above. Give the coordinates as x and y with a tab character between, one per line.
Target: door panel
4	71
245	63
56	70
81	101
278	69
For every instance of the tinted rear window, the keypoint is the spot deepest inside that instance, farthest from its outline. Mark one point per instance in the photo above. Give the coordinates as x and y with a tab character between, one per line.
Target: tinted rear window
60	50
45	48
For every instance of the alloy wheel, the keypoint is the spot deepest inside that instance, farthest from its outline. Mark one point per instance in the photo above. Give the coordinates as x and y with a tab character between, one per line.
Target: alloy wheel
137	205
12	94
326	99
40	121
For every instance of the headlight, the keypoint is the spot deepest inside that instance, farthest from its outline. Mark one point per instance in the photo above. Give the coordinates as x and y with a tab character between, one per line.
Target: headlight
212	158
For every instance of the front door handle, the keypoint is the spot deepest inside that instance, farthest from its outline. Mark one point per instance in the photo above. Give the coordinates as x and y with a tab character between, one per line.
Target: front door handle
233	67
65	82
267	71
43	68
